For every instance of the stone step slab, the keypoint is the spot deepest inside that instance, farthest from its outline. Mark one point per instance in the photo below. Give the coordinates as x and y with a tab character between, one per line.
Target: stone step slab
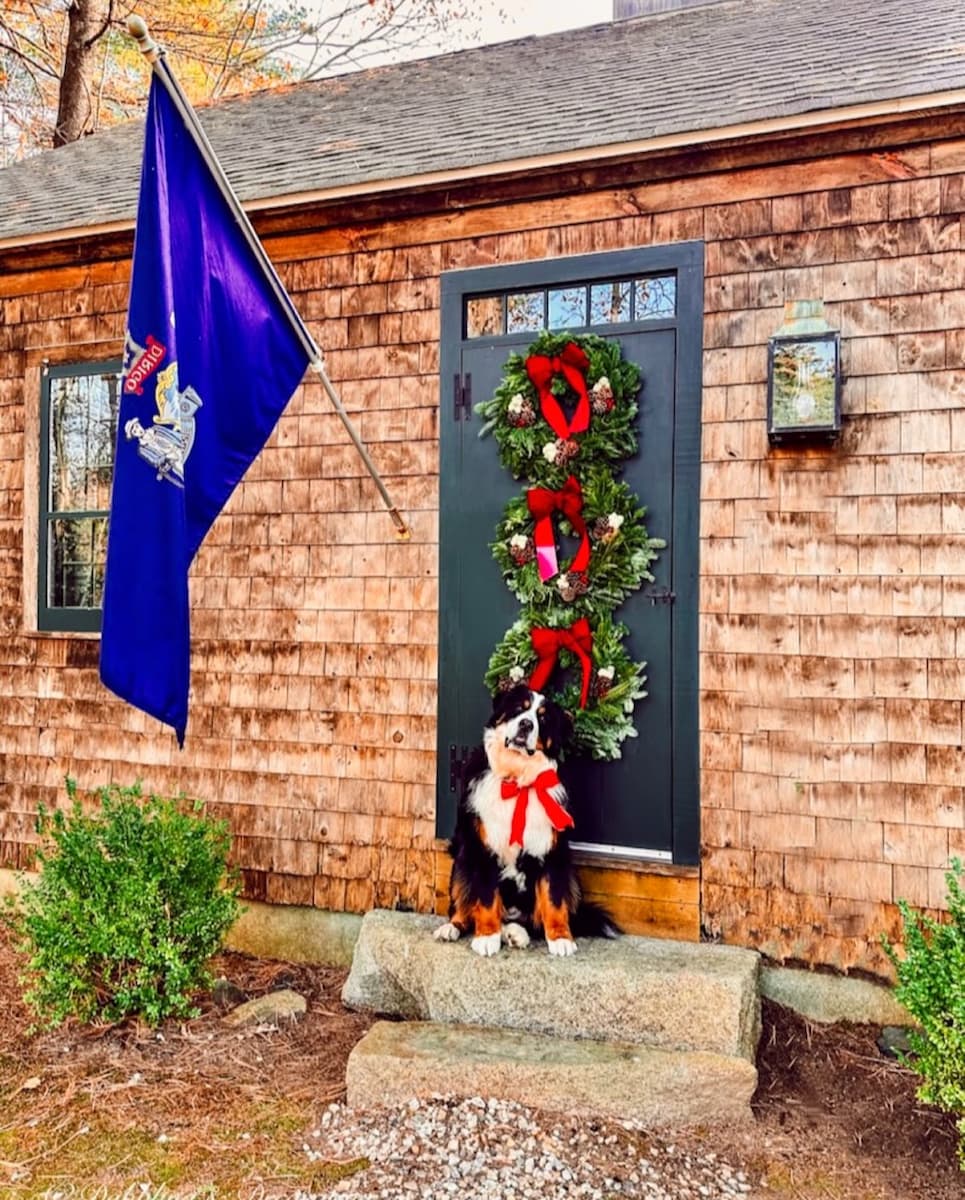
397	1061
642	991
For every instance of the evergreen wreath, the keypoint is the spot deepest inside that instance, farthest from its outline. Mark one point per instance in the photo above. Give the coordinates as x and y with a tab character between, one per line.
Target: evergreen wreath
529	447
616	682
620	558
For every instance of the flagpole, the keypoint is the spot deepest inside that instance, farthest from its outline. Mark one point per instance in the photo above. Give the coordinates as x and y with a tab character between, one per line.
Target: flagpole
155	54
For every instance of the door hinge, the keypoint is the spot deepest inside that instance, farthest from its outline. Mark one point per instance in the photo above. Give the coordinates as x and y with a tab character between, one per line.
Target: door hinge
660	595
462	398
457	762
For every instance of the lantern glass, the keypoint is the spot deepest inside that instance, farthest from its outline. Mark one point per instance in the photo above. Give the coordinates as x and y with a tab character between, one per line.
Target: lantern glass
803	396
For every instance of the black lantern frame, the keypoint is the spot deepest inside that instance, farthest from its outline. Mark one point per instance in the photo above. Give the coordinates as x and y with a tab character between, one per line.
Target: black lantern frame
804	386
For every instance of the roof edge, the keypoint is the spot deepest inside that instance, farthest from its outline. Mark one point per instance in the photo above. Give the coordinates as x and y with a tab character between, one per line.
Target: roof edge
749	130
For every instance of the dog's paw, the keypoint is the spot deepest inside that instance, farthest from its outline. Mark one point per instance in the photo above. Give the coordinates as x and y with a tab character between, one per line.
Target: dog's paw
561	947
447	933
487	945
515	935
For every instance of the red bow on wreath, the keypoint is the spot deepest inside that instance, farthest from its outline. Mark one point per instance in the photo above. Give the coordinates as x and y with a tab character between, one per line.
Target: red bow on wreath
543	502
547	643
572	363
510	789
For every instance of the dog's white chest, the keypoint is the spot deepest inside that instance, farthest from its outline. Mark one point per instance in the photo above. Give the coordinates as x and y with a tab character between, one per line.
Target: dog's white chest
496	814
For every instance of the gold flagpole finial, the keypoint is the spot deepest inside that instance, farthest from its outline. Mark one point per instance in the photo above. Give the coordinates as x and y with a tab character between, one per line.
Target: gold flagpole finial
137	28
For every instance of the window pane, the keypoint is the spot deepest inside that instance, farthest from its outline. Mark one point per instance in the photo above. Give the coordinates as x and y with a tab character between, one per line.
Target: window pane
610	302
567	308
83	424
655	297
524	311
77	550
484	316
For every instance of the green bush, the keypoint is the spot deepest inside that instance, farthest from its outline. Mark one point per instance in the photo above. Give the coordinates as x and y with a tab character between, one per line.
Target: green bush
132	900
931	986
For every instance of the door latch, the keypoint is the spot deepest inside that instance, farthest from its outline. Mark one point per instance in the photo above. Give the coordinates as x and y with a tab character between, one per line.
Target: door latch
462	397
457	762
660	595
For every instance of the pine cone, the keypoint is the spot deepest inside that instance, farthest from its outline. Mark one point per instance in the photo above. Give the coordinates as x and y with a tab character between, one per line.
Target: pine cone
580	581
600	529
521	555
601	396
567	450
600	686
567	587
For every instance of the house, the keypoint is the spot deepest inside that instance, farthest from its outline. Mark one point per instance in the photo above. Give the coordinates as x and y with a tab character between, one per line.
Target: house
800	764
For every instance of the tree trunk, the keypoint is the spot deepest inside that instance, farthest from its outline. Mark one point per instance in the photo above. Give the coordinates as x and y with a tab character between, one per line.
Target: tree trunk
88	21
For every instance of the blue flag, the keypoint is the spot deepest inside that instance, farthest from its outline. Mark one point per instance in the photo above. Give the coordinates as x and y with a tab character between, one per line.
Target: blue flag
211	358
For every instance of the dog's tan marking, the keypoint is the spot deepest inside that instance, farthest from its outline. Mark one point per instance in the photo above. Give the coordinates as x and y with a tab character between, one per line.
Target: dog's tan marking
460	905
487	920
554	918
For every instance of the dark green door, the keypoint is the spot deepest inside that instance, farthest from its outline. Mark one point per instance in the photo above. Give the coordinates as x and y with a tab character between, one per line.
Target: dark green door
646	803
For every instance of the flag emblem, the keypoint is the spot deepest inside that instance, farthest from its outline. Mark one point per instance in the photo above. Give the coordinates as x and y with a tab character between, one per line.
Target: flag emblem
167	442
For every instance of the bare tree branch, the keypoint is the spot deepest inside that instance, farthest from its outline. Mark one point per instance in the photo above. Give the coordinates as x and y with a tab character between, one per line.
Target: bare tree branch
57	89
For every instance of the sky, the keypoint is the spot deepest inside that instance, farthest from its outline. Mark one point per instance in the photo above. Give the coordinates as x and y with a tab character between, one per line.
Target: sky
527	17
489	21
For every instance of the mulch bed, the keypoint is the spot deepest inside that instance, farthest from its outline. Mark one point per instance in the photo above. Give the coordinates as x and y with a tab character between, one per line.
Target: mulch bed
838	1118
201	1103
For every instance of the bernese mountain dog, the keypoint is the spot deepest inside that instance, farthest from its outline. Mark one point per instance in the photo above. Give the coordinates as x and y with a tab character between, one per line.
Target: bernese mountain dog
512	871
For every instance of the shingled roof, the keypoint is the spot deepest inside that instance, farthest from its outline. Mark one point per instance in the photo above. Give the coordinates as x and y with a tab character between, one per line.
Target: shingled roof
584	93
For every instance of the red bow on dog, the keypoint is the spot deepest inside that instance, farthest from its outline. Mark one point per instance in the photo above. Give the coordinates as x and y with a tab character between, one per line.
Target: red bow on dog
543	502
549	642
559	817
572	363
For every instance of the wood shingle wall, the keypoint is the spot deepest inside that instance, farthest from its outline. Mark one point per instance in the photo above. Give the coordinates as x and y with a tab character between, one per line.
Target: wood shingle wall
833	580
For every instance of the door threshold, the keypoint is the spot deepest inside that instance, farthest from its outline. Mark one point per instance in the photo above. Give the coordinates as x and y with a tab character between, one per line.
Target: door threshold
637	854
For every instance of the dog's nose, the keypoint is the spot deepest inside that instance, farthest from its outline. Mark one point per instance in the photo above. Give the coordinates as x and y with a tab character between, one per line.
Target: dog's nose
525	725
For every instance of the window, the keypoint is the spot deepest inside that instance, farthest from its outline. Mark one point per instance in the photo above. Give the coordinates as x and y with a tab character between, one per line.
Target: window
78	428
608	302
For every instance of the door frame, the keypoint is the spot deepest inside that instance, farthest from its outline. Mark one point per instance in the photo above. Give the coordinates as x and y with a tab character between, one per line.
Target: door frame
687	260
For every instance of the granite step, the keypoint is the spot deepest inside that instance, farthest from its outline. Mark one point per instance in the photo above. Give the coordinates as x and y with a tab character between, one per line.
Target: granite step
397	1061
670	996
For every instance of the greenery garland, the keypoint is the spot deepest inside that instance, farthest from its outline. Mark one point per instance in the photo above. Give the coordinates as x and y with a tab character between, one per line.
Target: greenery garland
621	550
528	447
621	553
616	683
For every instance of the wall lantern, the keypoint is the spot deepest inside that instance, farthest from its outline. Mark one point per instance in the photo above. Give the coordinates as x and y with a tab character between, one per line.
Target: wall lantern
804	376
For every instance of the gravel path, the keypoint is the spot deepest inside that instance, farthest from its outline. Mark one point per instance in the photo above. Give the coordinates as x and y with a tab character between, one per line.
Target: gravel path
497	1150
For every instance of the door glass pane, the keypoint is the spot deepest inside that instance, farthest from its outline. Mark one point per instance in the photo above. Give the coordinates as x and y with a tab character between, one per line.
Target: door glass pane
484	316
524	311
610	302
83	425
655	297
567	308
78	547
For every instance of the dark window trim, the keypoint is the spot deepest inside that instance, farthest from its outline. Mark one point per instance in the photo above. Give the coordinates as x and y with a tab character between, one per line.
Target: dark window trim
51	619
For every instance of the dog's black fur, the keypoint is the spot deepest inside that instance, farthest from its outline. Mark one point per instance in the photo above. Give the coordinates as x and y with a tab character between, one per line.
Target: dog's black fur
537	888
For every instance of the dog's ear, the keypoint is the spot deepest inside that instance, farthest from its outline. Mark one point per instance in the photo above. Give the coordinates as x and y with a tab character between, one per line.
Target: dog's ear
566	727
556	726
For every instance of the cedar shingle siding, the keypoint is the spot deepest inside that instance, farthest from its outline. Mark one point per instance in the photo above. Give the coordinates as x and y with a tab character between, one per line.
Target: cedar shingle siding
832	579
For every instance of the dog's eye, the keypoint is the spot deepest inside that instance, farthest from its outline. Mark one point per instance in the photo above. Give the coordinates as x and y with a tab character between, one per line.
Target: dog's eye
541	711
